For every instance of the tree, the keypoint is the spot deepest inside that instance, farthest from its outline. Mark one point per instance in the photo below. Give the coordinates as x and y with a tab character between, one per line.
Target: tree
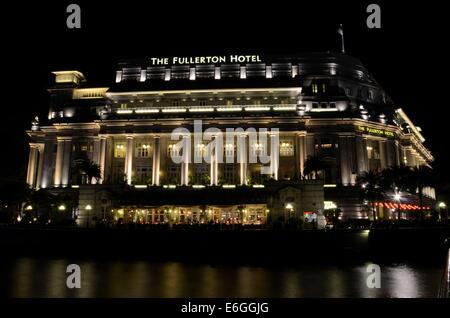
371	185
421	177
88	168
313	164
396	180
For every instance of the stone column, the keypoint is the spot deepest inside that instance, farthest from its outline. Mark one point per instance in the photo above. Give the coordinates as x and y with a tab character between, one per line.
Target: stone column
344	160
40	165
32	164
185	162
242	158
102	160
383	159
59	162
214	165
47	178
156	160
301	142
129	159
274	155
361	154
65	173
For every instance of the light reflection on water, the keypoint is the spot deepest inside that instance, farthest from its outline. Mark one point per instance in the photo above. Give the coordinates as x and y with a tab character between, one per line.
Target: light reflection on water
34	277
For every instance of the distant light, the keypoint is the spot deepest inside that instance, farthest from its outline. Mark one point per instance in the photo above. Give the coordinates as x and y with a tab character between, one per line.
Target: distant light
397	197
289	206
140	186
258	186
75	186
62	207
198	186
88	207
329	186
29	208
442	205
228	186
19	218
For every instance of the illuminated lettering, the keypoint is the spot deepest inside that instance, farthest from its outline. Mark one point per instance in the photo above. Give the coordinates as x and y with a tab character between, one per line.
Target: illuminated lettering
179	60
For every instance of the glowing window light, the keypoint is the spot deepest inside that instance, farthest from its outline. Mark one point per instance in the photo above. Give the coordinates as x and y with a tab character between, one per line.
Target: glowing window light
229	109
124	111
140	186
228	186
258	186
201	110
285	108
174	110
256	108
146	111
198	186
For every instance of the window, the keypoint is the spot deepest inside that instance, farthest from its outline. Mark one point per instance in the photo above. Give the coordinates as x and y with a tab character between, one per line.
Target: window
257	149
84	148
229	150
323	105
332	105
119	150
173	151
200	150
143	150
229	102
323	88
202	102
370	95
348	90
143	175
286	148
314	88
315	105
176	103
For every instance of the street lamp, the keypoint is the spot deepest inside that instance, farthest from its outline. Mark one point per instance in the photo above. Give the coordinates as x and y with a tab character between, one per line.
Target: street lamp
62	207
442	206
88	209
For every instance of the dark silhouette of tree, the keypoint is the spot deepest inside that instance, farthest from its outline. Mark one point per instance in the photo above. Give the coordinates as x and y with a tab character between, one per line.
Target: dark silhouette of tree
397	179
88	168
313	164
371	187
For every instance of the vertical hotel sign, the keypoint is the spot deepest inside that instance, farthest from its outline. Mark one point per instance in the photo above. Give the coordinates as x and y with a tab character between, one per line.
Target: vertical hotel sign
214	59
375	131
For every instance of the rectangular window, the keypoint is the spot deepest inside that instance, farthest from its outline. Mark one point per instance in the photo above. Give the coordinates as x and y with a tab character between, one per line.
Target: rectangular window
143	150
370	95
143	175
323	105
286	148
315	105
119	150
314	88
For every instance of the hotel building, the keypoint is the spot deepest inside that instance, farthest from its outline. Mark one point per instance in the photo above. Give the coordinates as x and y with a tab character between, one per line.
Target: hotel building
325	105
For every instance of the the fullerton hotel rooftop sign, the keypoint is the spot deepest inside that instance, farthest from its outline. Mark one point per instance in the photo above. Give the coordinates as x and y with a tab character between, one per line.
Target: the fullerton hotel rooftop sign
179	60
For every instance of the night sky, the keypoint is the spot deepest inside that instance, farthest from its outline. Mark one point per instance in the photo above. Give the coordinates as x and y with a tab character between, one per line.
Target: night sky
407	56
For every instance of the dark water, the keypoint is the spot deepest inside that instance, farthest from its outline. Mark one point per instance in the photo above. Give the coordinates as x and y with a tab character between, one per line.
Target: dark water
46	277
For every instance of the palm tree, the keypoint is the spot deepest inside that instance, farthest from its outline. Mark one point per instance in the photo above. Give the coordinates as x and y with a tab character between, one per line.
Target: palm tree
421	177
397	179
89	168
313	164
371	185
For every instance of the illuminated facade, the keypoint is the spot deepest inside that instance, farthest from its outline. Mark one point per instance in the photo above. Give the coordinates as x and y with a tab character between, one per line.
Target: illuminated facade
325	105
